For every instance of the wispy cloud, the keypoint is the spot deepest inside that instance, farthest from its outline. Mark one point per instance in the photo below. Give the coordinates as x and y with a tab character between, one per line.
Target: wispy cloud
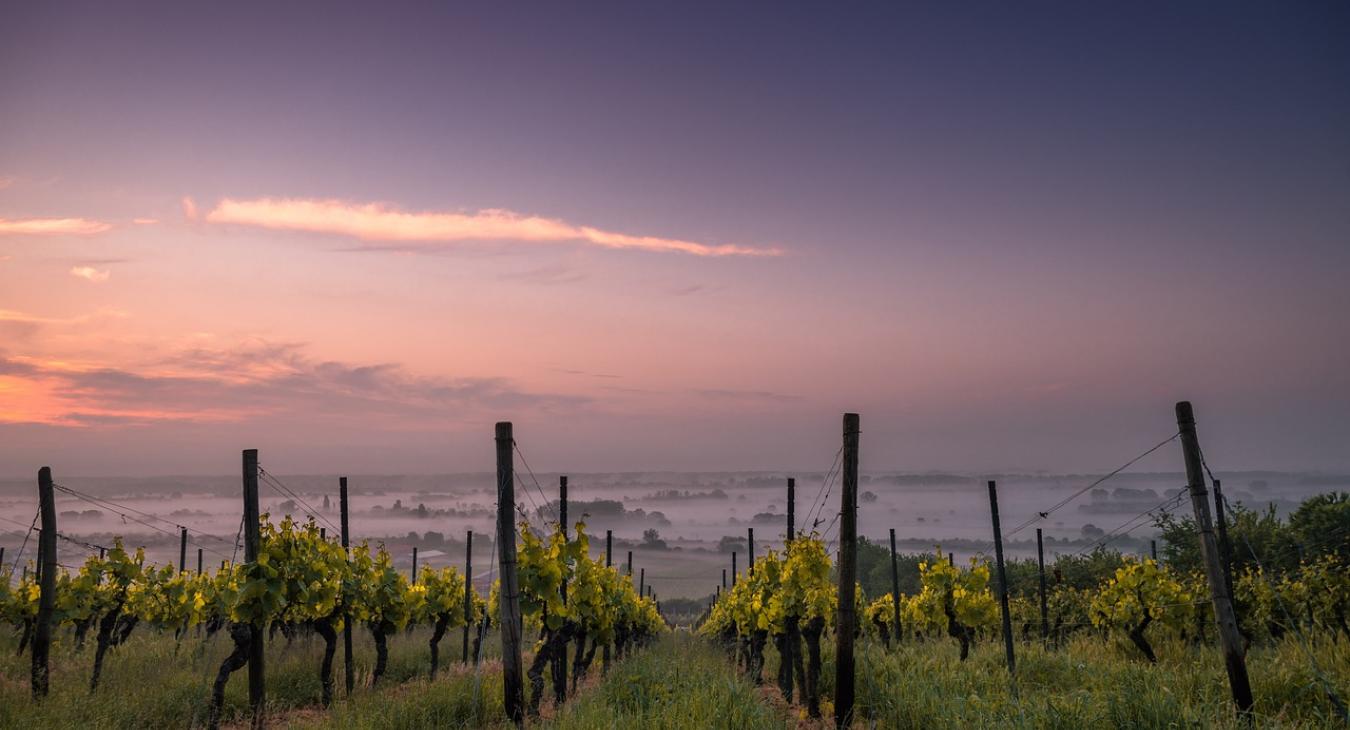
375	222
145	221
545	275
52	226
90	273
258	380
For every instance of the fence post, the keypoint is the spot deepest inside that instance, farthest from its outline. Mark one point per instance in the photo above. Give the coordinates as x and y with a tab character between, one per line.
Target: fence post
1235	660
724	579
609	561
199	561
895	588
642	581
414	569
750	543
257	688
1045	606
791	509
348	671
468	591
630	566
848	572
1153	549
42	632
1002	583
733	568
1225	547
513	686
182	549
560	658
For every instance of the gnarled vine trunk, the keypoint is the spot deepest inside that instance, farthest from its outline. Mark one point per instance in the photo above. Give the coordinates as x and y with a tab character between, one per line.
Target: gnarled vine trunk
324	627
437	633
243	640
811	632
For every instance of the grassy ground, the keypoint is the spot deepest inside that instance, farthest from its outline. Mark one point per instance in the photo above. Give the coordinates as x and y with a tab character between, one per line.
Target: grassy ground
1089	683
683	682
154	681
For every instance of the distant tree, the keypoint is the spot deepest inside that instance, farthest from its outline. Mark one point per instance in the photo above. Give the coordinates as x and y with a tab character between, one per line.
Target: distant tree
652	539
868	496
731	543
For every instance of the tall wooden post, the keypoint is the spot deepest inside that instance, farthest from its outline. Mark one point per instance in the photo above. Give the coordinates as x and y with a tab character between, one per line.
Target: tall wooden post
642	581
199	561
848	576
1235	659
182	549
348	670
1225	547
1045	604
733	568
630	565
468	591
609	561
1002	581
724	578
42	631
791	509
560	658
895	588
1153	549
509	618
750	542
257	688
323	533
414	568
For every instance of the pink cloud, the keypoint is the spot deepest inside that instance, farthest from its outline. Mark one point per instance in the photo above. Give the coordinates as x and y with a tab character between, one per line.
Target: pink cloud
90	273
52	226
376	222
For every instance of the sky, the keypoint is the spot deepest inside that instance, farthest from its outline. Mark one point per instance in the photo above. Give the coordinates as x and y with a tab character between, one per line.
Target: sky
680	236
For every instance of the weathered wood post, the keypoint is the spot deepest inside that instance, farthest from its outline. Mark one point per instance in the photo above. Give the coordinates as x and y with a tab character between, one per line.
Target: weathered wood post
468	591
791	509
630	566
348	670
257	688
323	533
199	561
1002	582
560	656
724	578
1235	660
642	581
1153	549
848	576
182	549
609	561
750	543
42	631
895	589
733	568
1045	604
414	569
1225	547
513	684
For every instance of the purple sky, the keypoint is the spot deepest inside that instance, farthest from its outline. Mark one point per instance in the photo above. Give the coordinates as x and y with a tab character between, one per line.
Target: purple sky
1010	237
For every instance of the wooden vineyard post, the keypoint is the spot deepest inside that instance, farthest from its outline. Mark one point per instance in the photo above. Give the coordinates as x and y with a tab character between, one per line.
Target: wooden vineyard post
348	671
323	533
895	589
1040	567
733	568
750	543
199	561
513	685
848	575
560	656
42	631
1002	583
1234	657
724	579
468	591
257	688
642	581
1235	660
182	549
414	569
609	561
1225	548
1153	549
630	566
791	509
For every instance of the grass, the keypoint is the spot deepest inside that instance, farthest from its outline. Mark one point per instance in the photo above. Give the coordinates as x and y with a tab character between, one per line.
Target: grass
684	682
1091	682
